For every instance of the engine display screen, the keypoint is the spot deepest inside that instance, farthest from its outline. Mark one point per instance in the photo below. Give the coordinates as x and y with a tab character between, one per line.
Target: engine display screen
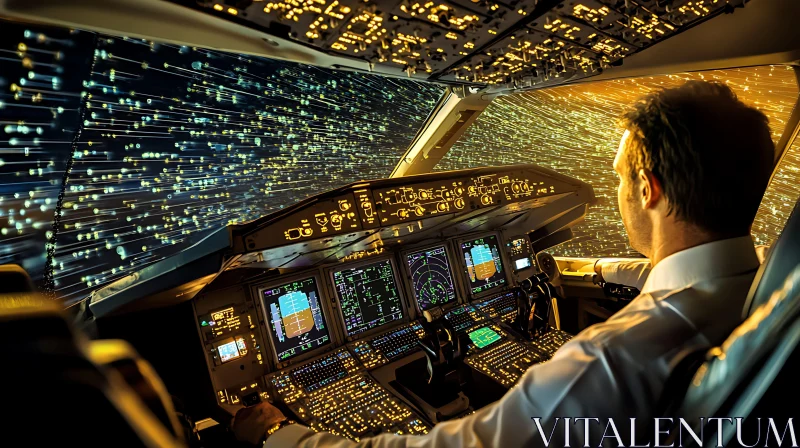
296	321
368	296
232	350
430	275
228	351
484	265
522	263
483	337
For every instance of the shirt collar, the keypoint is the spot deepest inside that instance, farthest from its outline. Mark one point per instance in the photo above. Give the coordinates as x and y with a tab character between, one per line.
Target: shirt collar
722	258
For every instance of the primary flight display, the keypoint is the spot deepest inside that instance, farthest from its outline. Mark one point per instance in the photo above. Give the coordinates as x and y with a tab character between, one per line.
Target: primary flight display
296	321
483	262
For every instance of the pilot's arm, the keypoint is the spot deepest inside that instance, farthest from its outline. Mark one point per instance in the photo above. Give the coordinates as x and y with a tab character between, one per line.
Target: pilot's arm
586	377
623	272
634	272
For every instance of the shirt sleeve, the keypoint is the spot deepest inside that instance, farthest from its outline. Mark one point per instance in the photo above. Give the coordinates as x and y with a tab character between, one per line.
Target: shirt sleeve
566	384
626	272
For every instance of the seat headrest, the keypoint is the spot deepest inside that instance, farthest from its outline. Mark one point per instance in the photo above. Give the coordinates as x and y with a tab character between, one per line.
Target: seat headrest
13	278
31	317
781	258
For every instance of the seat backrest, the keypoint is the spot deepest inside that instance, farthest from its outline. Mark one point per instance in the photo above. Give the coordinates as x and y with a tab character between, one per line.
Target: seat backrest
781	258
738	375
55	393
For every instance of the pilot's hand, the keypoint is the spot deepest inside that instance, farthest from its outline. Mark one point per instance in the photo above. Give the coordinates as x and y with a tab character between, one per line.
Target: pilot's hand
251	424
598	269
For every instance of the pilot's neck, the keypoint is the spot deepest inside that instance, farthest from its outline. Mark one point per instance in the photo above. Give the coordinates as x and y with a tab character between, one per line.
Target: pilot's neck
675	236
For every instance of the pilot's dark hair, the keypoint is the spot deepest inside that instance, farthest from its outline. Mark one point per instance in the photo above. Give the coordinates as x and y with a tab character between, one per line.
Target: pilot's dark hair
712	153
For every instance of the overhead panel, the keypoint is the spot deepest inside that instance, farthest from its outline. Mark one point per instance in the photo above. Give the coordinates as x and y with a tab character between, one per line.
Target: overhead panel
518	43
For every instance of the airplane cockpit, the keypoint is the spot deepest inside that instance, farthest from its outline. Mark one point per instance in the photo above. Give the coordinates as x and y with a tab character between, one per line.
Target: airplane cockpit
374	214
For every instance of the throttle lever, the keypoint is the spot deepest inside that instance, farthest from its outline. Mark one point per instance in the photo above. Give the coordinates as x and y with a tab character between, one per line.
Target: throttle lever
534	305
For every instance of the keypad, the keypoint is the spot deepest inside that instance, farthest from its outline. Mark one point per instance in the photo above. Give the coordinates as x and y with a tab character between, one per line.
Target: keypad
344	400
463	318
500	307
324	371
389	346
504	361
551	341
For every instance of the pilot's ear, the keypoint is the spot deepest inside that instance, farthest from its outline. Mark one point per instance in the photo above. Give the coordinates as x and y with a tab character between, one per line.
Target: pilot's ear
651	188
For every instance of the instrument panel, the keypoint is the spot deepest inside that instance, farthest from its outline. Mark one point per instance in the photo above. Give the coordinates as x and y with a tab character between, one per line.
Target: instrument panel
330	329
339	338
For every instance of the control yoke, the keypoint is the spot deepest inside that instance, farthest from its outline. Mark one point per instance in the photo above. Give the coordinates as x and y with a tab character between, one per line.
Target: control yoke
534	305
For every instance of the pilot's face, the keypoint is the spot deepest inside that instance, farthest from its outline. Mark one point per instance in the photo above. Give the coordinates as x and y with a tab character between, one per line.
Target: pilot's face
636	222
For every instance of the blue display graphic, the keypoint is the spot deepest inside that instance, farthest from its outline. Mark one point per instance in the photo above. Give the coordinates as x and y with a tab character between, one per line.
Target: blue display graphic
296	321
483	263
228	352
175	142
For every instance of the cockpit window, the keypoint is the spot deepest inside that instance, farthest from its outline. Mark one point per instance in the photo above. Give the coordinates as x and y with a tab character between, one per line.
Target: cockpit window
573	130
147	147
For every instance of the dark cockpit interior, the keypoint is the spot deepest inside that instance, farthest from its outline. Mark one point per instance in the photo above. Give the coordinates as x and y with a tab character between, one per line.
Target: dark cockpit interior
374	214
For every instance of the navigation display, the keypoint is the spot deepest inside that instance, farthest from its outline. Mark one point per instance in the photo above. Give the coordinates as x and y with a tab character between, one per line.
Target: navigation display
368	296
430	275
297	323
484	265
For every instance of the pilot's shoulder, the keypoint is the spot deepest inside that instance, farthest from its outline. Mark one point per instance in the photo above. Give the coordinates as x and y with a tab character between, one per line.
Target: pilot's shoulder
648	321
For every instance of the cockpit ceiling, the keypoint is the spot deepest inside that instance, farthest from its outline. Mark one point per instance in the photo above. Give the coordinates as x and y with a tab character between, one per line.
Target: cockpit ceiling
513	43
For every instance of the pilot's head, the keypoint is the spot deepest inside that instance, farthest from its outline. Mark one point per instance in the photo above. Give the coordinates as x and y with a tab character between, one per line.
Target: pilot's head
694	160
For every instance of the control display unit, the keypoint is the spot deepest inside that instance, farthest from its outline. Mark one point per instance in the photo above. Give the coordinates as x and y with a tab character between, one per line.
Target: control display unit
484	264
431	278
297	323
499	357
368	296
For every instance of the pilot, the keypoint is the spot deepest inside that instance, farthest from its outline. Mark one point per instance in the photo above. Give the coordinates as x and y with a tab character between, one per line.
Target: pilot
693	165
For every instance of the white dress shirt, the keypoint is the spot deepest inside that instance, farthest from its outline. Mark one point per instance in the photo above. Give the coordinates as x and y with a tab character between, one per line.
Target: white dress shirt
615	369
633	272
